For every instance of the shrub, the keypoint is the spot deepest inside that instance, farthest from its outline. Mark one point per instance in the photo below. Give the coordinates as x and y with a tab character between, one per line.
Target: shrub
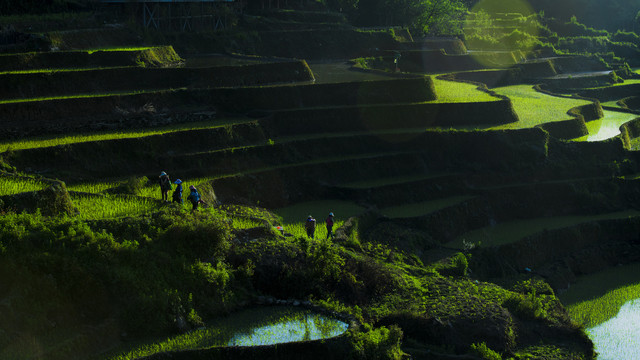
485	352
380	343
194	237
460	264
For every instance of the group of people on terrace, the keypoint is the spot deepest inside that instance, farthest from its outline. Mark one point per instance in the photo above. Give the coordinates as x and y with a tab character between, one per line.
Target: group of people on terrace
310	226
165	186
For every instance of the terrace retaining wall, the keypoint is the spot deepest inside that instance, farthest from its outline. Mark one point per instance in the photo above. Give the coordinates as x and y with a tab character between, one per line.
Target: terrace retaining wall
157	56
126	111
57	83
611	93
386	117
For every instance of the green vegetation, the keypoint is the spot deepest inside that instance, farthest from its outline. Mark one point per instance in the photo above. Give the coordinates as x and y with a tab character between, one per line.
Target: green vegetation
453	91
15	185
535	108
596	311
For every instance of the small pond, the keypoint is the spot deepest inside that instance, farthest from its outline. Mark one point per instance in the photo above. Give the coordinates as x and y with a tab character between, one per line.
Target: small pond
276	325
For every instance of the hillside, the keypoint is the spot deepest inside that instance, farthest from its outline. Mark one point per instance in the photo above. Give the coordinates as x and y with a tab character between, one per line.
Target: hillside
469	188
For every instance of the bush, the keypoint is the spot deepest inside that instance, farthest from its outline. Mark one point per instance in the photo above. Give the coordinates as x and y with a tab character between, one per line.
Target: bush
485	352
197	237
380	343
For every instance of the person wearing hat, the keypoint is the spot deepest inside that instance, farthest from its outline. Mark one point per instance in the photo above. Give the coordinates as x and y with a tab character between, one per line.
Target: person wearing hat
177	193
165	185
194	197
310	226
329	221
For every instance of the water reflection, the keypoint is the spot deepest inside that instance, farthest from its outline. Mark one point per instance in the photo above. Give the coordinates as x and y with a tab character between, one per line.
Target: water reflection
299	326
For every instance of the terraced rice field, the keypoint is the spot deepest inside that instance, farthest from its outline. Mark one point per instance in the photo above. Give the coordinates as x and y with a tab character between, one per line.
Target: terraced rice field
535	108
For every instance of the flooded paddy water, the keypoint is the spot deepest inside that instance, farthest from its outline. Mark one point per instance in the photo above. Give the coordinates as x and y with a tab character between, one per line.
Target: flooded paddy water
608	304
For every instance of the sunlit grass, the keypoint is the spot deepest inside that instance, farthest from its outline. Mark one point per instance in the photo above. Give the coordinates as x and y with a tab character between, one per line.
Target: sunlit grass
15	185
535	108
43	71
453	91
77	96
252	327
112	206
47	141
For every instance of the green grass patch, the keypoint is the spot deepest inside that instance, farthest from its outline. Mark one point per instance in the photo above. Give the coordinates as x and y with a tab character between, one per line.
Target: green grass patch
453	91
506	233
598	297
16	185
46	71
535	108
422	208
55	140
112	206
77	96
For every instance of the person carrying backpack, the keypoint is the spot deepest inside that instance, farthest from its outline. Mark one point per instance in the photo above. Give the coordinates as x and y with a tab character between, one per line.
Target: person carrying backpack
329	221
310	226
177	193
165	185
194	197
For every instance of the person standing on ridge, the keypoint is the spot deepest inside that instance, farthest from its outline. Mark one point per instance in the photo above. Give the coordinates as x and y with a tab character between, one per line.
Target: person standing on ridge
329	221
177	193
194	197
165	185
310	226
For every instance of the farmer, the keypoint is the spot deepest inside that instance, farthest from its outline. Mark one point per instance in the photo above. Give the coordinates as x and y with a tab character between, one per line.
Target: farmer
194	197
329	221
165	185
177	193
310	226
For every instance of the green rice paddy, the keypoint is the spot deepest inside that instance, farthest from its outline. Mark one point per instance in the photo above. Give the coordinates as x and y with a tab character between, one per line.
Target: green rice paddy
251	327
54	140
16	185
535	108
78	96
505	233
46	71
112	206
454	92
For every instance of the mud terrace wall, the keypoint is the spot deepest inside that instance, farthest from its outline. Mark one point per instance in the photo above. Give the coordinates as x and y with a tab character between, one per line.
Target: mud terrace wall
439	61
104	81
157	56
453	46
562	255
386	117
126	111
612	92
